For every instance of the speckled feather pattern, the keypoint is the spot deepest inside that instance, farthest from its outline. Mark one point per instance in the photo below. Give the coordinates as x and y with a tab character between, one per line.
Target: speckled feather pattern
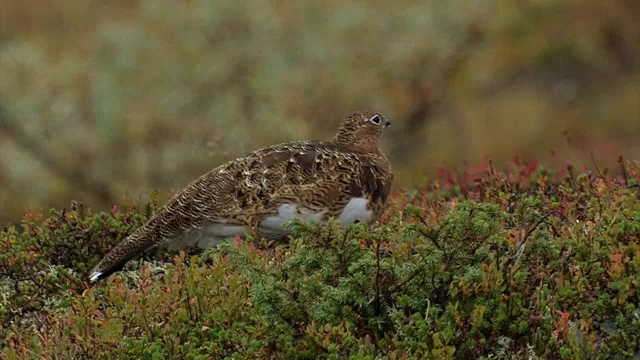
314	175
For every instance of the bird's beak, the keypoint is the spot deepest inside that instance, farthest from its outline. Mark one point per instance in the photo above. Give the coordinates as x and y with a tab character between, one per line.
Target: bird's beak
387	124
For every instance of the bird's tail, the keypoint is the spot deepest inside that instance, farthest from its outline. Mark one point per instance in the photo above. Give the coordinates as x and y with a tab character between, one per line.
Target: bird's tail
133	245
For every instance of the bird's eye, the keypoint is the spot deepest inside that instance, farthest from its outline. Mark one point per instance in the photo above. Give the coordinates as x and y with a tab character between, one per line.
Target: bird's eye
375	120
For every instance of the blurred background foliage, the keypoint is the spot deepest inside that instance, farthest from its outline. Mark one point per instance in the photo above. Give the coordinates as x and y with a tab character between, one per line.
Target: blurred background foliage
101	99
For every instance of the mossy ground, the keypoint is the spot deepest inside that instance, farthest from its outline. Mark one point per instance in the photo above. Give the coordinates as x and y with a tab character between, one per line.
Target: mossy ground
531	263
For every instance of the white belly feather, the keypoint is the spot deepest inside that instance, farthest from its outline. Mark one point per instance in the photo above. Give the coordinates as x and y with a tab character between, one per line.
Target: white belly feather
356	209
271	226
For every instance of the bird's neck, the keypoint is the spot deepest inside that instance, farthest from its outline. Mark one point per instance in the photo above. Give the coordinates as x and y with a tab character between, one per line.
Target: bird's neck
369	146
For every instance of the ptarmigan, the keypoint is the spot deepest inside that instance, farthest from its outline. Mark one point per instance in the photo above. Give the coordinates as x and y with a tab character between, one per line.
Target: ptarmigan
348	178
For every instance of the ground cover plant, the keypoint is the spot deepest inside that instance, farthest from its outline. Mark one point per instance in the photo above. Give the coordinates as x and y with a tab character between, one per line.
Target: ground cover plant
530	262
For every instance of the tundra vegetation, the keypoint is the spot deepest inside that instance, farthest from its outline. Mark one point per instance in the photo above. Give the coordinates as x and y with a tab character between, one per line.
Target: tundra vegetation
532	262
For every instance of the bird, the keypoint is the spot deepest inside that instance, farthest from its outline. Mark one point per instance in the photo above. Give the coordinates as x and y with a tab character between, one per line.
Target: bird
348	178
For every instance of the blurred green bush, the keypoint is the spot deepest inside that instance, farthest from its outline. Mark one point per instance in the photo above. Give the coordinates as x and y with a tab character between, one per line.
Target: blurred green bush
530	263
98	100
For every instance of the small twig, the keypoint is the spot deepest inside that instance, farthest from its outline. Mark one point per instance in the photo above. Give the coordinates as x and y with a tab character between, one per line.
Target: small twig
341	258
406	281
437	234
377	284
518	254
624	171
491	169
595	164
528	233
572	177
625	175
426	316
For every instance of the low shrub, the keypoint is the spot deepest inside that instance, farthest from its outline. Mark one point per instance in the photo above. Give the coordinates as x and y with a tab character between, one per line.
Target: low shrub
530	263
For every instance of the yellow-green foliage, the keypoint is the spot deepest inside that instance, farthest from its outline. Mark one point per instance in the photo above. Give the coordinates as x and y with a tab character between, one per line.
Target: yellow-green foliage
525	264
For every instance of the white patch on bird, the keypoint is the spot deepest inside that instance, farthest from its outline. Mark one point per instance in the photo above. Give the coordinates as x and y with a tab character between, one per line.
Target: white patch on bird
206	237
356	209
271	226
94	277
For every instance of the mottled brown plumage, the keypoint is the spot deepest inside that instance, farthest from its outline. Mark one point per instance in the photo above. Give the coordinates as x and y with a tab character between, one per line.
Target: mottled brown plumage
348	178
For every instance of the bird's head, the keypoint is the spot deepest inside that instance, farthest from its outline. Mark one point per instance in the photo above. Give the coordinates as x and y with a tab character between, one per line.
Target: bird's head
362	129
